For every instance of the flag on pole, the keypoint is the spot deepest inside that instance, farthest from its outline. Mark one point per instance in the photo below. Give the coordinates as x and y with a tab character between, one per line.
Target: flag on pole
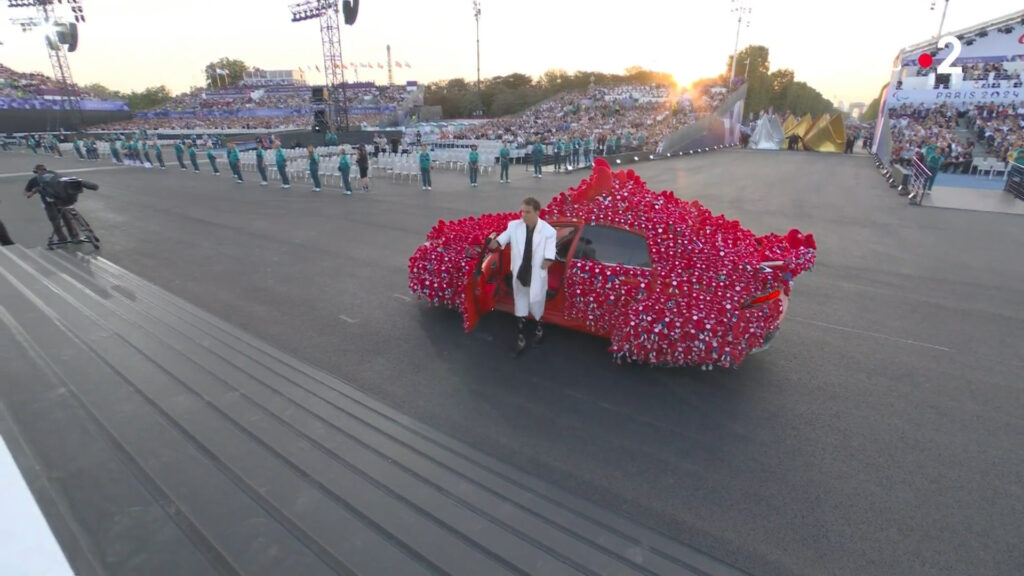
407	65
398	64
317	67
379	65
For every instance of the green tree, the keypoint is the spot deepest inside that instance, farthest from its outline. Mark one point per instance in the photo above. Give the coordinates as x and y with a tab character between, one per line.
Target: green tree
149	98
234	68
759	63
137	100
103	93
759	84
554	80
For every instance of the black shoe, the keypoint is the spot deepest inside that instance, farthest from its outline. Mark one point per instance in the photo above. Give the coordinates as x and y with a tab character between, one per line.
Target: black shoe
520	343
538	335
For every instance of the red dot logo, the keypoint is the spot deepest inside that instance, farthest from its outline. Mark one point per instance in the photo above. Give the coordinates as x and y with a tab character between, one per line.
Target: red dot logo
925	60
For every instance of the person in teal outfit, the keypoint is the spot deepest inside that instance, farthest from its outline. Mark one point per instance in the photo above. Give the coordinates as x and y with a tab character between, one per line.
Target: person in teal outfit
192	156
504	154
145	154
179	153
282	164
159	155
261	164
345	168
314	167
115	152
425	167
55	146
588	144
559	148
474	165
234	162
213	162
78	150
934	163
538	158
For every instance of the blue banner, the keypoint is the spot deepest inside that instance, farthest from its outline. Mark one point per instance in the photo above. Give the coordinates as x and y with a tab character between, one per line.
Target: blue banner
259	112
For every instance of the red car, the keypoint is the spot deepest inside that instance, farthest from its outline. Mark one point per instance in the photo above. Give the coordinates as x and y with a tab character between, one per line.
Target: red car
666	281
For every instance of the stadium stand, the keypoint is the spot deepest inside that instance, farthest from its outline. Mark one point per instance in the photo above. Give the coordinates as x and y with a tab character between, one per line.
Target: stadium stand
976	117
636	116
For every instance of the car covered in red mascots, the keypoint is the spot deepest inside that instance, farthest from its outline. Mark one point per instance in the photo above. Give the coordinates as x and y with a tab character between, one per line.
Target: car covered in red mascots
666	281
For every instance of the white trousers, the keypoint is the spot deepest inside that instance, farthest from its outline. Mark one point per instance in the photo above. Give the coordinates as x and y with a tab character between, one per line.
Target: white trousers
523	304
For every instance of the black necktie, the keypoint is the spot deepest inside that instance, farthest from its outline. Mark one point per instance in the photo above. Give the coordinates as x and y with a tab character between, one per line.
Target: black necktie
526	268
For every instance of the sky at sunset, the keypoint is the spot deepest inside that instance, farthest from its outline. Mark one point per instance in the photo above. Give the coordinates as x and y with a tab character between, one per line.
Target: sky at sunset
843	49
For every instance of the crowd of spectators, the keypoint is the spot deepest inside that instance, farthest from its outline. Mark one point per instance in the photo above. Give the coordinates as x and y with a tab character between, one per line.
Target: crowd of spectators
989	74
962	132
1000	128
915	128
637	114
296	98
14	84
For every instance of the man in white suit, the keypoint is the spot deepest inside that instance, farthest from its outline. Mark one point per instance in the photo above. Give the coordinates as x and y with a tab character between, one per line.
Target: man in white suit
533	251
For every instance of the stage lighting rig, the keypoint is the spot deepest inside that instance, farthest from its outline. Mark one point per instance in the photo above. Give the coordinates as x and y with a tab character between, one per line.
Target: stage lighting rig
312	9
60	38
27	24
27	3
327	12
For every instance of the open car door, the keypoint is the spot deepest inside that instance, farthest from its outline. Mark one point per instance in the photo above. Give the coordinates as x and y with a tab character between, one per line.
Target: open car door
482	285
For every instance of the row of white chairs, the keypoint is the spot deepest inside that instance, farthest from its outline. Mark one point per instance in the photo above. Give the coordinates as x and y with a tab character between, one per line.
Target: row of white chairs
989	165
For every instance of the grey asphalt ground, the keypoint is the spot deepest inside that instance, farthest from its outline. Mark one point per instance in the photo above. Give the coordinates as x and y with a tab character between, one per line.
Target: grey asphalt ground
883	432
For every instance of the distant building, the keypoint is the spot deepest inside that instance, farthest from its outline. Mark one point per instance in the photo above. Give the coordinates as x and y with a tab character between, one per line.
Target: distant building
258	77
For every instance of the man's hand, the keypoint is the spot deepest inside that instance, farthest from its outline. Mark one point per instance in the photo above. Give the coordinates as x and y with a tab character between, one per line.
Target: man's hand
546	264
29	193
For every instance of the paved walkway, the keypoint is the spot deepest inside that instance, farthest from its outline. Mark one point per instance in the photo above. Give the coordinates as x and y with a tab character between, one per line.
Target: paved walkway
974	199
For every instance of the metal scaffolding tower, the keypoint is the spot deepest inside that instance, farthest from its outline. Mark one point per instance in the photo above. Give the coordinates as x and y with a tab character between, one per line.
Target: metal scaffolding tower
330	37
70	96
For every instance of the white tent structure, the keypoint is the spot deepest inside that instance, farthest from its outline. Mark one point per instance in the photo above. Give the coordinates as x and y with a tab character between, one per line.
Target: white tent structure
768	134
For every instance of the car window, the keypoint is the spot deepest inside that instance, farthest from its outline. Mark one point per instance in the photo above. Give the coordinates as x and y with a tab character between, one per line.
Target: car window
613	246
564	242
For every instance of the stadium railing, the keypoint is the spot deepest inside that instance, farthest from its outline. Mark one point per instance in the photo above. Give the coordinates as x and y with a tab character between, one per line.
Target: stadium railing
1015	180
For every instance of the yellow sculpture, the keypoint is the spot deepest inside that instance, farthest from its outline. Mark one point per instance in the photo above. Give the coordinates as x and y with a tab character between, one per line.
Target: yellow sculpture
827	135
787	126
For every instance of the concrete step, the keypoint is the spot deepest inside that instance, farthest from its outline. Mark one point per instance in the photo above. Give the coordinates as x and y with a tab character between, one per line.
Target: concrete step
278	466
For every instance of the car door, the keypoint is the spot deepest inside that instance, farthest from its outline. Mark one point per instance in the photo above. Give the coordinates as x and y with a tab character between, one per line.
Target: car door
621	260
482	283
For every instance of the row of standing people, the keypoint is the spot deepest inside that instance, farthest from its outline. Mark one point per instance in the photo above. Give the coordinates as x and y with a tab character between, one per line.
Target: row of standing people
281	163
504	161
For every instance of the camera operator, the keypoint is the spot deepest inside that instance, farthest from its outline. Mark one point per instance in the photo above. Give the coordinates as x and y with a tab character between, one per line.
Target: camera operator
48	185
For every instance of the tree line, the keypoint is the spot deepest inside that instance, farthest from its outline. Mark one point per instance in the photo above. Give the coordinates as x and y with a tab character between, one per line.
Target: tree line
777	89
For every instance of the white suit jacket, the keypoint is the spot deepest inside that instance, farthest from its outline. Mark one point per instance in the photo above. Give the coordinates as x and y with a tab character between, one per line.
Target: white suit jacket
544	239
